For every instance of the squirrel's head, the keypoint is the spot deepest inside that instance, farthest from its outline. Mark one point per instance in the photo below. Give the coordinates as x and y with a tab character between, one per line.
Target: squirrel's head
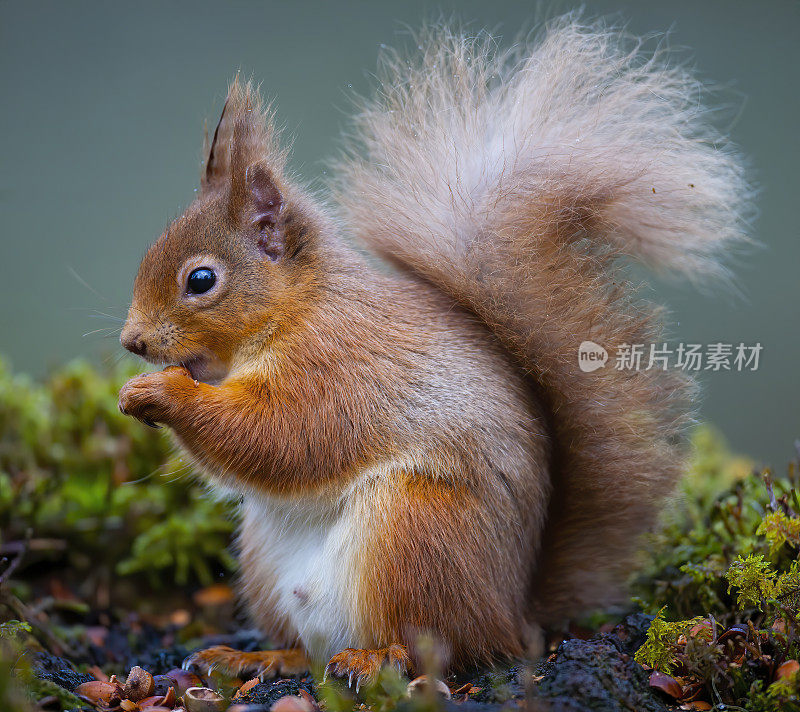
238	264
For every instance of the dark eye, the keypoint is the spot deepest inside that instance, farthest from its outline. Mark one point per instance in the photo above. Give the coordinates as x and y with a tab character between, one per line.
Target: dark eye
201	280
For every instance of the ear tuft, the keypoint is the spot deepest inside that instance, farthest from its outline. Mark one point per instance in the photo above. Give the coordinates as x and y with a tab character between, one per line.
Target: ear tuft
245	135
217	165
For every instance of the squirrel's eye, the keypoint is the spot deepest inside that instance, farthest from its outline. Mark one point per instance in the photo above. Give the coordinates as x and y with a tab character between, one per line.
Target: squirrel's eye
201	280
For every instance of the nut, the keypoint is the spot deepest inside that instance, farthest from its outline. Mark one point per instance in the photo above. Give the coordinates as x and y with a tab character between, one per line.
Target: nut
163	683
139	685
290	703
95	691
202	699
167	700
421	686
183	680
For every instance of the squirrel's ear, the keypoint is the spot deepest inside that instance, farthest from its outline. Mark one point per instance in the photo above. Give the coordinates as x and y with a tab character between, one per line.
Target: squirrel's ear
259	212
263	195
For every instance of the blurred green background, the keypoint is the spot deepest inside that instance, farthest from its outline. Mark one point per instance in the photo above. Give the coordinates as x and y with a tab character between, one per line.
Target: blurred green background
101	129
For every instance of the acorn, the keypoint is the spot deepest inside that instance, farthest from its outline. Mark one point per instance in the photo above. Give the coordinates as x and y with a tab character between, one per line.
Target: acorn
138	685
202	699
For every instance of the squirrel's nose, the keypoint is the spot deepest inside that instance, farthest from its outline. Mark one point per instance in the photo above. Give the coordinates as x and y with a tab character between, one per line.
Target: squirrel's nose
133	341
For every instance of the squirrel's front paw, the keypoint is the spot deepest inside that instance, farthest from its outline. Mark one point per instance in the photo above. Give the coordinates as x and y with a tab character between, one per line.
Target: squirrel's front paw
149	397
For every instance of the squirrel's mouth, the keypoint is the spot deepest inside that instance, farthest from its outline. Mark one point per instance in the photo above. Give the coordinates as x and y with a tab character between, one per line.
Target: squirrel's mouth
205	369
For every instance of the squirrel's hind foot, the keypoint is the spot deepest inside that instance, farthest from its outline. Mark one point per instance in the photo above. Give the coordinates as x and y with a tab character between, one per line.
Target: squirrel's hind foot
362	666
264	664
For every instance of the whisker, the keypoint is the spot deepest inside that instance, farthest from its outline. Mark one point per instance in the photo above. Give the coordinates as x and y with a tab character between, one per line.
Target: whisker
153	473
97	331
181	472
113	360
106	316
85	283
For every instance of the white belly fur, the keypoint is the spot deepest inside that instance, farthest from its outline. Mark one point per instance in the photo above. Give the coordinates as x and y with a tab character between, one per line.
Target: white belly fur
308	549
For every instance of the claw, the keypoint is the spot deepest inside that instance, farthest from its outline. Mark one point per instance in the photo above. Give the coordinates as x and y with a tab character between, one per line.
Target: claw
149	422
325	674
350	680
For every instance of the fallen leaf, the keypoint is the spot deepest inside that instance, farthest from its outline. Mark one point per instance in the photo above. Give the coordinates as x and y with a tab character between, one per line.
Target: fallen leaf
702	629
244	689
665	683
787	669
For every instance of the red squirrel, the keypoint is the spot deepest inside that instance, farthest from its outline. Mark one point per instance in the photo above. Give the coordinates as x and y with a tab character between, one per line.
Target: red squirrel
413	442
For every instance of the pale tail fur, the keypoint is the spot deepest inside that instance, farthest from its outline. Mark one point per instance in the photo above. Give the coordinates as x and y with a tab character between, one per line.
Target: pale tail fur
514	180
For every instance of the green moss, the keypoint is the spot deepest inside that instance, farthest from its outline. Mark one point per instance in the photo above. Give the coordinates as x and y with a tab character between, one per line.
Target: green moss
754	578
658	650
713	519
723	575
85	488
778	529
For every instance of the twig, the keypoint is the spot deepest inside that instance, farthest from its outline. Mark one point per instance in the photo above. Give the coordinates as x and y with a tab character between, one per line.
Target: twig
21	611
14	547
773	503
15	562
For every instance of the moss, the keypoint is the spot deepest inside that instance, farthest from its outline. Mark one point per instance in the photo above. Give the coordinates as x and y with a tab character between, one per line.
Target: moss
87	489
658	650
723	574
754	578
106	505
778	529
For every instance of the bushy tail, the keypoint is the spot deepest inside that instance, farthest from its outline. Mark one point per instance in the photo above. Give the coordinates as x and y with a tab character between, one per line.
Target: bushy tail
513	181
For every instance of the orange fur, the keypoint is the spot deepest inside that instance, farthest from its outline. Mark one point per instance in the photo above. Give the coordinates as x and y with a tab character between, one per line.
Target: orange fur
427	571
